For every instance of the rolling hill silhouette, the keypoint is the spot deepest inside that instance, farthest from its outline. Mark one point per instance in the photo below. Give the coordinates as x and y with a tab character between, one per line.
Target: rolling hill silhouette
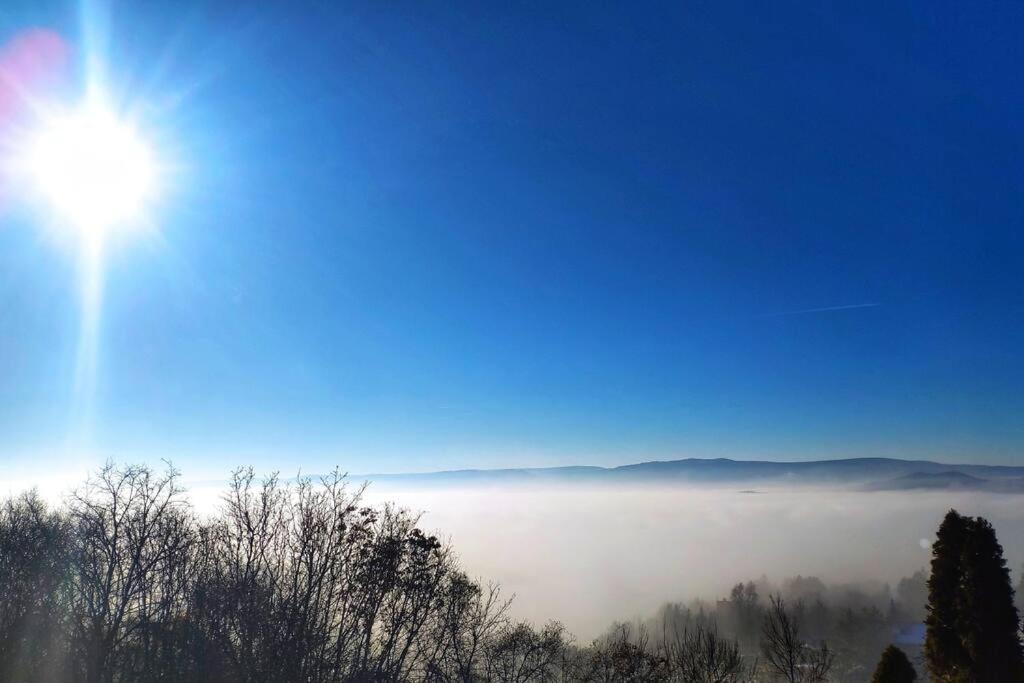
868	473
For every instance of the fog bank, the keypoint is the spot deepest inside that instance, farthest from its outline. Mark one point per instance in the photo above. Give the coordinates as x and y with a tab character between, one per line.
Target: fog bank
590	555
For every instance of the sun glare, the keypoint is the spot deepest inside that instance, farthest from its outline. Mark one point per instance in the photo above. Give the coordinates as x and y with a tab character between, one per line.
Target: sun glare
92	169
95	174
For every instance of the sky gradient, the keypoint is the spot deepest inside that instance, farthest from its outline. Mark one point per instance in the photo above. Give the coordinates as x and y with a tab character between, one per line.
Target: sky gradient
405	238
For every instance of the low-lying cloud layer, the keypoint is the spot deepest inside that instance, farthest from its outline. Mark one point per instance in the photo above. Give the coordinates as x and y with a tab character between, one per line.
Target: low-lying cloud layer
590	555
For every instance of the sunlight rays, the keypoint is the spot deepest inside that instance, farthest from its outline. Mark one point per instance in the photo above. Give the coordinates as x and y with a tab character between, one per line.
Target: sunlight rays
93	176
90	275
89	176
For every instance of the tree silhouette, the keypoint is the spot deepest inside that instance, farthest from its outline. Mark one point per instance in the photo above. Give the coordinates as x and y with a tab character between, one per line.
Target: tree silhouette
131	538
912	592
1019	597
944	652
972	624
624	656
33	570
700	655
302	581
894	667
988	620
786	654
287	582
745	612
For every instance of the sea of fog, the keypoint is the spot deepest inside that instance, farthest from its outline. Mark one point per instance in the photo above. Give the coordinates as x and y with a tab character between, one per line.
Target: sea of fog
589	556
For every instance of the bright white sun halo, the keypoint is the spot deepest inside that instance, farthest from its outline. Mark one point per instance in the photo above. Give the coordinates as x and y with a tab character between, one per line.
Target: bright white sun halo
92	169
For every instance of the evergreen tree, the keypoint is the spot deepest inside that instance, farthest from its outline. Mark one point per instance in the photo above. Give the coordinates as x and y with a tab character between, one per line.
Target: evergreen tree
988	621
944	653
972	621
894	667
1020	592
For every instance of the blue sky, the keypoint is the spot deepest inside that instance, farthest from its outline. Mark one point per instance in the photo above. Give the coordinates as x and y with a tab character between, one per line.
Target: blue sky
413	236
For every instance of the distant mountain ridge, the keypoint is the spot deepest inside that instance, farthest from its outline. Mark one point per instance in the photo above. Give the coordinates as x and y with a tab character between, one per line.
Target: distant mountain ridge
951	480
871	473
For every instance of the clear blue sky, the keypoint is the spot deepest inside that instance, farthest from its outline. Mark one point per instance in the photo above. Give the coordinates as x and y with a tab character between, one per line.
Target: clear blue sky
413	236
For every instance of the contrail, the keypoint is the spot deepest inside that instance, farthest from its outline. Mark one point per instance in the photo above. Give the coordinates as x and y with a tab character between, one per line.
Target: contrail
819	310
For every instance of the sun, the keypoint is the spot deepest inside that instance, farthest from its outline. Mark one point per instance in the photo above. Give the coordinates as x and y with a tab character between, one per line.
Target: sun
92	169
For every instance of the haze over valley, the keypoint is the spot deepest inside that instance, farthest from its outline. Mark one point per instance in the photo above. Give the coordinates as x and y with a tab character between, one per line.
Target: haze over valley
592	546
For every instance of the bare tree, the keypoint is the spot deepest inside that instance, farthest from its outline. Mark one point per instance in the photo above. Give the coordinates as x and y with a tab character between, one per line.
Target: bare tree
700	655
301	581
625	655
521	654
307	584
274	578
33	572
287	582
131	538
786	655
474	617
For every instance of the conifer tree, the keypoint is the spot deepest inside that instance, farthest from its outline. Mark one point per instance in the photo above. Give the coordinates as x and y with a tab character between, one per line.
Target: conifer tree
1019	597
988	622
894	667
945	655
972	623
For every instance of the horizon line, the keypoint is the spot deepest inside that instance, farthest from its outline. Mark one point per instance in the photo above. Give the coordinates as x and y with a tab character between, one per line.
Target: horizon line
675	460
